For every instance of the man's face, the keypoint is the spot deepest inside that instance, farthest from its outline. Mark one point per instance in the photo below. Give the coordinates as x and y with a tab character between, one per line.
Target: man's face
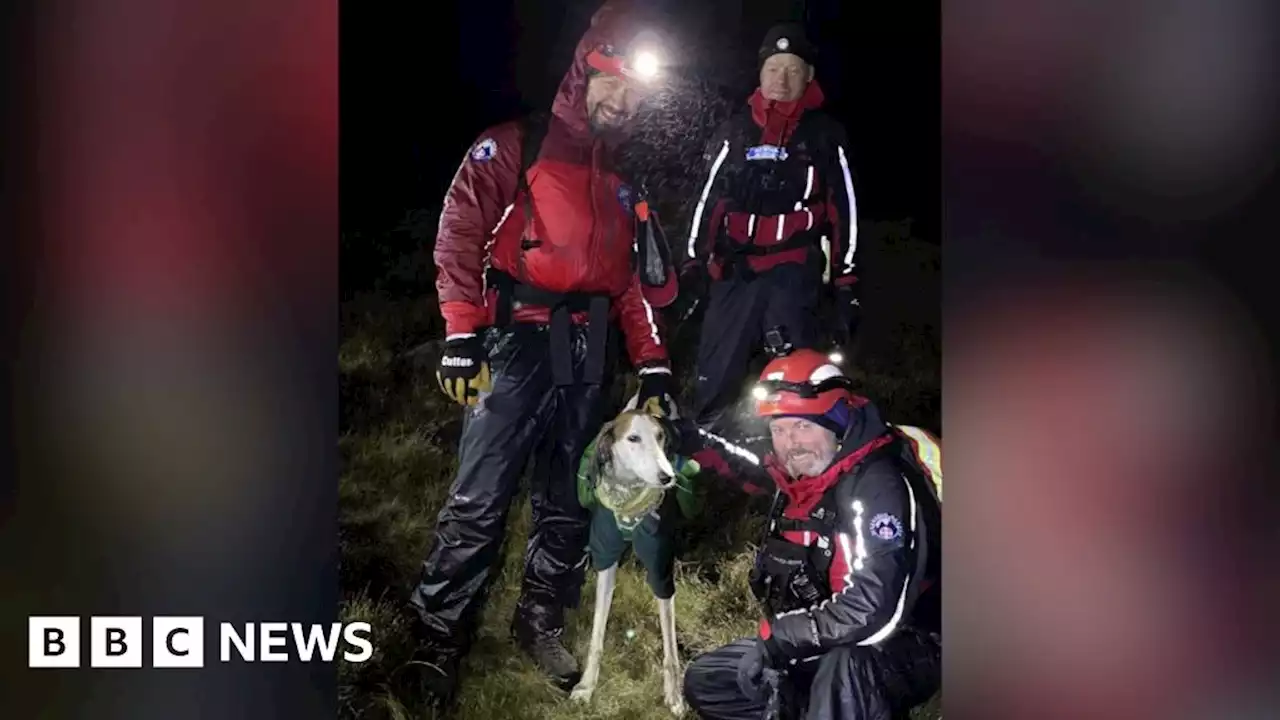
805	448
783	77
611	101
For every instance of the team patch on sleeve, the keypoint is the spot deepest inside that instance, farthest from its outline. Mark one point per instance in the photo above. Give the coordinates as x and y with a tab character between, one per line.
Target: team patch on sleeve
625	199
886	527
484	150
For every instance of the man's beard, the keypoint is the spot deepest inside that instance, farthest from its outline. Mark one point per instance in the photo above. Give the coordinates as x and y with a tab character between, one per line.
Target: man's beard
806	464
601	127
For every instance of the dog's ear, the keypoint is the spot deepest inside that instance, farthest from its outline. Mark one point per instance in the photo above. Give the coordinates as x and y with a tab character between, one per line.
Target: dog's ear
603	465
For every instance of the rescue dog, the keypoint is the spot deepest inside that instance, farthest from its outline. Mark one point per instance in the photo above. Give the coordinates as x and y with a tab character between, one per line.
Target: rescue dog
629	470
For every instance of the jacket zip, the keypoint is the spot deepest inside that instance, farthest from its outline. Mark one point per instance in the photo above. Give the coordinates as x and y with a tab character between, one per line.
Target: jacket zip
594	251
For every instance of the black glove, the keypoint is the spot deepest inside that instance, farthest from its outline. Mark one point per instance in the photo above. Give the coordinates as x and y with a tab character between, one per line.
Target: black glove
753	671
463	370
693	286
848	313
655	394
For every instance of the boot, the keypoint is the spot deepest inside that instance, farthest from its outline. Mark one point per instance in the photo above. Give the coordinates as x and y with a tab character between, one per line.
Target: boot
434	669
433	675
551	657
537	631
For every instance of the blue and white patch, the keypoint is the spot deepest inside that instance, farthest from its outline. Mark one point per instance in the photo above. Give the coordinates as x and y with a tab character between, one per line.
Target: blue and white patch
766	152
484	150
625	199
886	527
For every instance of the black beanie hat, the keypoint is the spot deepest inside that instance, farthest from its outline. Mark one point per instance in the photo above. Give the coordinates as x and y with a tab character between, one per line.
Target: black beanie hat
788	38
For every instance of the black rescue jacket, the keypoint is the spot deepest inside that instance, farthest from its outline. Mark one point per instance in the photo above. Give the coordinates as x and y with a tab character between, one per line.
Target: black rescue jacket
854	554
779	189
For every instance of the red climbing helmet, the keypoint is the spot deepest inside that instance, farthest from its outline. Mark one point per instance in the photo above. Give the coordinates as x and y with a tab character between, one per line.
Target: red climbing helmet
802	382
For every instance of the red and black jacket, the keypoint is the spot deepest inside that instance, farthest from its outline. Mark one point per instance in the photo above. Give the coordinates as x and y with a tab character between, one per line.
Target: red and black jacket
779	186
868	531
581	234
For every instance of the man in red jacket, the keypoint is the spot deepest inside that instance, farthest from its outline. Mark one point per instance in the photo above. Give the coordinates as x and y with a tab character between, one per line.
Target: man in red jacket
535	279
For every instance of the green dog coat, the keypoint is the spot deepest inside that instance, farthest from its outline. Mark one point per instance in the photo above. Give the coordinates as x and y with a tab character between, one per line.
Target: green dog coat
644	518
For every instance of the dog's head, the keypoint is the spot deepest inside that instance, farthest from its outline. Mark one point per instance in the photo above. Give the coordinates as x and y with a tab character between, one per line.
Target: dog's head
636	446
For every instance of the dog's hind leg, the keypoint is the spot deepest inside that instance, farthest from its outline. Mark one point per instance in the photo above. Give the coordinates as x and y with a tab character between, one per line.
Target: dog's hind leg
671	672
604	597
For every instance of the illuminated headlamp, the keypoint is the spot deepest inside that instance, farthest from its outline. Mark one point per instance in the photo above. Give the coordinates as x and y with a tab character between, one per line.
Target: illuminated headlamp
767	388
643	64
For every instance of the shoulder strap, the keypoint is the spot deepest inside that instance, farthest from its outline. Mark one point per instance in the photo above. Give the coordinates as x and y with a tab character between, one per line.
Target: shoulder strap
534	127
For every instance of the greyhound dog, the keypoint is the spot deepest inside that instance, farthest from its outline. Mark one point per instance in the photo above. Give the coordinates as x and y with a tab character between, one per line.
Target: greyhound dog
624	479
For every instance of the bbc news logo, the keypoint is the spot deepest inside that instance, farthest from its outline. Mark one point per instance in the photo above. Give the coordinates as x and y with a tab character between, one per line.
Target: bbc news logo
179	642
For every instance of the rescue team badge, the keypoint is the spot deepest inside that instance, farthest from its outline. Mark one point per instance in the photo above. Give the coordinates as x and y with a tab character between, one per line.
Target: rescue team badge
484	150
886	527
624	198
766	152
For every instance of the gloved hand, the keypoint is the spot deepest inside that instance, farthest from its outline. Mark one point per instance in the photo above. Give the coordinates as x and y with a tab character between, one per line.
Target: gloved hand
656	392
693	286
848	313
463	370
754	670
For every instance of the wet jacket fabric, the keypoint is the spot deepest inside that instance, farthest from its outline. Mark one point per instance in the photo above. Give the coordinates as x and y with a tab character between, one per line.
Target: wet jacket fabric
581	233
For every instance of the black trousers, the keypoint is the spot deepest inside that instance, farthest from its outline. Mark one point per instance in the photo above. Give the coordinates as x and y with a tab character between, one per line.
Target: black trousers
846	683
739	311
526	414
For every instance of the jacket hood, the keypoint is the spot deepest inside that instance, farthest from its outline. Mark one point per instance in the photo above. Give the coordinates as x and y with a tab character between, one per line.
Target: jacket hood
866	426
612	24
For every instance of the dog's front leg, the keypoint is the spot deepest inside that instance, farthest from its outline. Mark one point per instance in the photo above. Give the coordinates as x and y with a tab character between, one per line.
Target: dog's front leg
604	597
671	673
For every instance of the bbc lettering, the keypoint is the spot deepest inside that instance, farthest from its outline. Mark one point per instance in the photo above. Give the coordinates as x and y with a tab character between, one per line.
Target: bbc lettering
179	642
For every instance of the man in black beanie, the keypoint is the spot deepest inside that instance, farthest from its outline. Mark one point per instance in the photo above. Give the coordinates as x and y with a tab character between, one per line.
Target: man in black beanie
774	231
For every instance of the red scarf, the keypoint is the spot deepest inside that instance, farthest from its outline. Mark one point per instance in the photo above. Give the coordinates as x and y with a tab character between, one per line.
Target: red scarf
779	119
805	494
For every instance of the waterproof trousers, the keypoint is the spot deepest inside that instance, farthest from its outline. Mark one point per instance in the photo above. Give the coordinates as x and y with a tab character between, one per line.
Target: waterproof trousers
739	312
525	415
845	683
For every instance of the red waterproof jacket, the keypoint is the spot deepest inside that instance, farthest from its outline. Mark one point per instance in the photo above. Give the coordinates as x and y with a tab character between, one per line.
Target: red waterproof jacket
582	230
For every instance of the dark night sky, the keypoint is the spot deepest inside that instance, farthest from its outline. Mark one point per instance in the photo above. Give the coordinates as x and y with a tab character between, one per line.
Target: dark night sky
420	81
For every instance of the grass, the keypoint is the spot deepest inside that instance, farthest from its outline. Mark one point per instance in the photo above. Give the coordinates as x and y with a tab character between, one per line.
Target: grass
397	447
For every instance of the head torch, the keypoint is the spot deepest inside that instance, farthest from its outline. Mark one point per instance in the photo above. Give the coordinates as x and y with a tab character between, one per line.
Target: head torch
768	388
643	64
